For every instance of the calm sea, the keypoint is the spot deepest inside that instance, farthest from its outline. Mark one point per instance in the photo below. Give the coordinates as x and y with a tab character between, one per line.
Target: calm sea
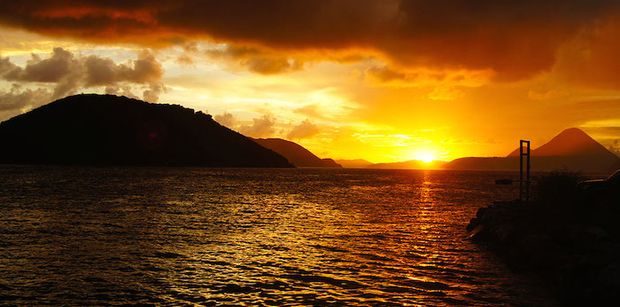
172	236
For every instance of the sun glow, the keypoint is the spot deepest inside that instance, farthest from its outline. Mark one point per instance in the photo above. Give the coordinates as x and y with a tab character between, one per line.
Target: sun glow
425	156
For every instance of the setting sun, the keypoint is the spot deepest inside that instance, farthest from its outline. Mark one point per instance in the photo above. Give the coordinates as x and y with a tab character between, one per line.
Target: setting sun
425	156
270	152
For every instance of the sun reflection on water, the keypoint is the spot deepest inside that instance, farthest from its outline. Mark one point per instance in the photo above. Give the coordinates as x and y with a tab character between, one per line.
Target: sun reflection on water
273	237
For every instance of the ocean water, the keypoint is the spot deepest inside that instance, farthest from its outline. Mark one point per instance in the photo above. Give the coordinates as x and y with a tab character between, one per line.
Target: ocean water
183	236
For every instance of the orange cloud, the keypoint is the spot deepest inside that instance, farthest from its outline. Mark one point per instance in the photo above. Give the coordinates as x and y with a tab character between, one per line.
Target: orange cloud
424	77
591	58
516	39
226	119
305	129
260	127
257	60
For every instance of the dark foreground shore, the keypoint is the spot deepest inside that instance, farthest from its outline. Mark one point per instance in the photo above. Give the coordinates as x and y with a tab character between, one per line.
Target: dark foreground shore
574	248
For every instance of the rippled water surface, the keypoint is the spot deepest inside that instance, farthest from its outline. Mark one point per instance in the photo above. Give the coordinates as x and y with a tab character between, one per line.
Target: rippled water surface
172	236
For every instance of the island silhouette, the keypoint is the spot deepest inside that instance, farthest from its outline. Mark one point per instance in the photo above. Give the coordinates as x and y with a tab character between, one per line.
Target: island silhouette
572	149
354	163
410	164
92	129
295	153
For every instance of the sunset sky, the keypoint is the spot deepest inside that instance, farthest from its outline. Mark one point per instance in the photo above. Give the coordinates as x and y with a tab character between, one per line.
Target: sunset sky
382	80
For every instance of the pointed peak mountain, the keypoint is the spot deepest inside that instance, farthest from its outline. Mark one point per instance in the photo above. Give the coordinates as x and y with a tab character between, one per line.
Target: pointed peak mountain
572	149
573	132
569	142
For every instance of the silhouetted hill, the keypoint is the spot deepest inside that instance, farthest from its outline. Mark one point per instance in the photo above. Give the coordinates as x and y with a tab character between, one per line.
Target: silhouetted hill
411	164
572	149
295	153
570	142
484	163
112	130
356	163
329	162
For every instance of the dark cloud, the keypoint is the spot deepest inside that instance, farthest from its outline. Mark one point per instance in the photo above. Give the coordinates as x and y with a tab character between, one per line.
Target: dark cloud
226	119
60	65
386	74
515	38
153	91
591	58
305	129
121	90
261	127
446	83
69	73
256	60
190	50
146	69
6	67
267	65
103	71
61	68
18	99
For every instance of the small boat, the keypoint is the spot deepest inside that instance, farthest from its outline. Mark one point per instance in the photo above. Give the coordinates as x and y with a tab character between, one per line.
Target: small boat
503	181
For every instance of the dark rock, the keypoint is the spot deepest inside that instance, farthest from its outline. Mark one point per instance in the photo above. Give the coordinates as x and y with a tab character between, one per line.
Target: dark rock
571	250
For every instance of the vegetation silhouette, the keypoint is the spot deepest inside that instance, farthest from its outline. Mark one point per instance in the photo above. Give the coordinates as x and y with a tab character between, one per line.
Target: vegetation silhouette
295	153
112	130
568	235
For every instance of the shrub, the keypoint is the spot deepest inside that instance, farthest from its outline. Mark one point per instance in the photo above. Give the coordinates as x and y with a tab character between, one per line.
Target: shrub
558	189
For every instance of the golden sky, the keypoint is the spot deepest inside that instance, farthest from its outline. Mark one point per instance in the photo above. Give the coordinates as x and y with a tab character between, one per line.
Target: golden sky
382	80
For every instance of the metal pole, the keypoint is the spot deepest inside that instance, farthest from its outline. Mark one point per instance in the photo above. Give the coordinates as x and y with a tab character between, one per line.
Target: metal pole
524	188
520	170
527	186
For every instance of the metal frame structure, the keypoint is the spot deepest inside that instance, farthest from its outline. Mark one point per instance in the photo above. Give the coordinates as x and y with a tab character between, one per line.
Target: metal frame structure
524	186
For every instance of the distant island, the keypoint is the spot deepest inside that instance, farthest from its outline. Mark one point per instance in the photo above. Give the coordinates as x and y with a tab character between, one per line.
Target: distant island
411	164
572	149
354	163
295	153
111	130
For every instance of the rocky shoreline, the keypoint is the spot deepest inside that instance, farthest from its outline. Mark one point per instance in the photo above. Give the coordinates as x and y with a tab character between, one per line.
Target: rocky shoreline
574	249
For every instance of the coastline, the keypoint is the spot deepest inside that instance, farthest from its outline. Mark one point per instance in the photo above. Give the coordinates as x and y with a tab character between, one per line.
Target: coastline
575	251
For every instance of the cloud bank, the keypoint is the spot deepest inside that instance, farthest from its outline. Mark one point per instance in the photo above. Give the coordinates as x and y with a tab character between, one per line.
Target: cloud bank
305	129
516	39
261	127
67	73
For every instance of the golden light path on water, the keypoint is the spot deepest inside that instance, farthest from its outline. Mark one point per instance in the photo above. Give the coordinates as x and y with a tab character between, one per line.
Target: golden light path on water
89	236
